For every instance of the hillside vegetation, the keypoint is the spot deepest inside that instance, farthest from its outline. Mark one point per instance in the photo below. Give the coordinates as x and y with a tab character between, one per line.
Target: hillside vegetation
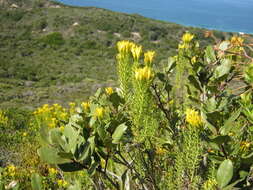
51	53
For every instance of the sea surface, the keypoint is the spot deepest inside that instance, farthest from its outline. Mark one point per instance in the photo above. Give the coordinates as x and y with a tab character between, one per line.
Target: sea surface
225	15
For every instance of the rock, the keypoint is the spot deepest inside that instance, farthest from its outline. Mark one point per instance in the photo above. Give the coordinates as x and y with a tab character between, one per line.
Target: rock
76	24
14	6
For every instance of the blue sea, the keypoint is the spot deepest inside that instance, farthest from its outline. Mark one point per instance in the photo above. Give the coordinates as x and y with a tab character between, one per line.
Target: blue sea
225	15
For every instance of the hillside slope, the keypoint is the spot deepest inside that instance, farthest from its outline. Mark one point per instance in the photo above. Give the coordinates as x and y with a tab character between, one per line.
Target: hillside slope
54	53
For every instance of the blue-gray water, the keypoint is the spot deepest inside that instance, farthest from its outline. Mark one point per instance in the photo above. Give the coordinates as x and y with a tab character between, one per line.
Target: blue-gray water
226	15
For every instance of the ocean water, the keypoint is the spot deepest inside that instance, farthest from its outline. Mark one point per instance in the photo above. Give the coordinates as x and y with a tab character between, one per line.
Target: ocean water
225	15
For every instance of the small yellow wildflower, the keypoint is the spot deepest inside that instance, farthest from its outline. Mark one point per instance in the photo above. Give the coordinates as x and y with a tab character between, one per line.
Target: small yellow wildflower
160	151
109	90
99	112
187	37
194	59
53	123
136	52
11	170
24	134
62	183
193	117
52	171
144	73
85	105
237	41
3	118
62	128
245	145
148	57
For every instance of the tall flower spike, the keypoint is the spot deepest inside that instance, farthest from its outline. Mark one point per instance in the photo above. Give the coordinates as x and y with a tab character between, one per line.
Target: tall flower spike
187	37
136	52
144	73
193	118
148	57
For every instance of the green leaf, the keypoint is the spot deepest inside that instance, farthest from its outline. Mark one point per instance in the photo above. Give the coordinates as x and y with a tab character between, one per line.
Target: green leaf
36	182
228	125
210	55
222	69
171	64
195	82
225	173
118	133
72	136
50	155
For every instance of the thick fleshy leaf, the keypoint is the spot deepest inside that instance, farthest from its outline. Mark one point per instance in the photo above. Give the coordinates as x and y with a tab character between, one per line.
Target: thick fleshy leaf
209	54
222	69
36	182
118	133
50	155
228	125
225	173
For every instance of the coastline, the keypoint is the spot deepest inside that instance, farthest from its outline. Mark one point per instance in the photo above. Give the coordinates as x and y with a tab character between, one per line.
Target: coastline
157	16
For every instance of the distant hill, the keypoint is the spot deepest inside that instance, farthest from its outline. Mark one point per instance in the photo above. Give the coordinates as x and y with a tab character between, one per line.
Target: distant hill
50	52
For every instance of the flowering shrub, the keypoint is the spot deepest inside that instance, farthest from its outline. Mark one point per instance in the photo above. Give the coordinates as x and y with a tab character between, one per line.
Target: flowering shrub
186	126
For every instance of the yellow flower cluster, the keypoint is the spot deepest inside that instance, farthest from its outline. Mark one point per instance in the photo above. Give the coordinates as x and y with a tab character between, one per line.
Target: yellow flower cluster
11	170
51	115
187	37
237	41
52	171
99	112
124	46
62	183
85	106
160	151
144	73
136	52
245	145
3	118
148	57
193	118
109	90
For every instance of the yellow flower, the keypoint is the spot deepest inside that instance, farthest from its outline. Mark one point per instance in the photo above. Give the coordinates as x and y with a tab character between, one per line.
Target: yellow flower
109	90
62	128
85	105
99	112
237	41
193	117
245	145
62	183
149	56
194	59
11	170
136	52
187	37
160	151
124	47
3	118
24	134
52	171
144	73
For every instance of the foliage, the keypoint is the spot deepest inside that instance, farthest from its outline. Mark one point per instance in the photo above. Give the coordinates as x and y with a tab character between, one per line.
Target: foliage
145	136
